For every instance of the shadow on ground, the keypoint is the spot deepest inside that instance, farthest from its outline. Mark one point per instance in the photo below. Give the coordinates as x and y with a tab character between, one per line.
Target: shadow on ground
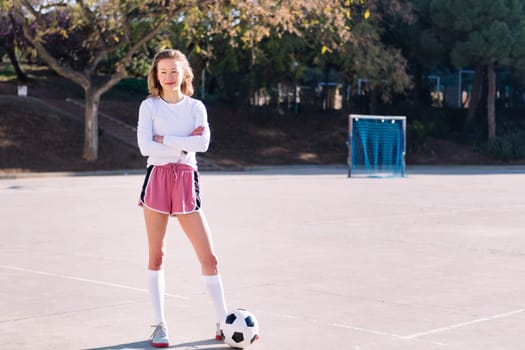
208	344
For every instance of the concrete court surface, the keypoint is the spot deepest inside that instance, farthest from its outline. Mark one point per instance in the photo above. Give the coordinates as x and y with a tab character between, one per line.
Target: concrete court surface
433	261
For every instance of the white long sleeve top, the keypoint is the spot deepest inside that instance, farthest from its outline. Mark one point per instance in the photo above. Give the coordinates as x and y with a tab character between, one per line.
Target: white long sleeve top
174	121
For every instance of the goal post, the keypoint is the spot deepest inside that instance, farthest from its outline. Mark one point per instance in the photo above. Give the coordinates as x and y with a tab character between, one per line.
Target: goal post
376	145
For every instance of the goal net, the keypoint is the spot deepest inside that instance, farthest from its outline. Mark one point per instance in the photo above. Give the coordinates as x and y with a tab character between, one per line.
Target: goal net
376	145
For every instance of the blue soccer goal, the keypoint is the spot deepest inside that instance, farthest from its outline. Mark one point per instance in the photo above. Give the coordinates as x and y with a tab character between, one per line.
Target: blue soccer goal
376	145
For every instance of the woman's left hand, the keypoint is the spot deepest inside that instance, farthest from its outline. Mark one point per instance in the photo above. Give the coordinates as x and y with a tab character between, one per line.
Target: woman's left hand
158	138
198	131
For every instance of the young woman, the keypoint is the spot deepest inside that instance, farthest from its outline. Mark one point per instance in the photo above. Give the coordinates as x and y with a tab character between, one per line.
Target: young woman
172	126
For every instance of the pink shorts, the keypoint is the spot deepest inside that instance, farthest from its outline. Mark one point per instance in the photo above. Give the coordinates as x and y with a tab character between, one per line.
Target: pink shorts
171	189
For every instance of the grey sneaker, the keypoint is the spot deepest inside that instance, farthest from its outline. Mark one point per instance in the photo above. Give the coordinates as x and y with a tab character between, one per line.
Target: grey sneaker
159	337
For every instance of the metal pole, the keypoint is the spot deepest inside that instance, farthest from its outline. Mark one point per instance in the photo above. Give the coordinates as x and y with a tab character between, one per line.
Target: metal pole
349	145
460	71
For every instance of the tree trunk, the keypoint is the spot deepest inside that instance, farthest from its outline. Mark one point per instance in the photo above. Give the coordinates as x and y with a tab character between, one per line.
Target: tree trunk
20	75
91	125
474	98
491	102
10	48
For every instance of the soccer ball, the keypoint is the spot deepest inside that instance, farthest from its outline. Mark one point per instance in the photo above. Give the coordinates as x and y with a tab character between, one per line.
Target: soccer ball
240	328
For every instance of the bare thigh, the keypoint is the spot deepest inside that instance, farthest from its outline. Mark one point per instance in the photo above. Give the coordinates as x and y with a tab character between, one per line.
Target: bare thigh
196	228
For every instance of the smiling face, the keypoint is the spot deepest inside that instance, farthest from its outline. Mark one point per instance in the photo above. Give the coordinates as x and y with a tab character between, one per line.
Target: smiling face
170	74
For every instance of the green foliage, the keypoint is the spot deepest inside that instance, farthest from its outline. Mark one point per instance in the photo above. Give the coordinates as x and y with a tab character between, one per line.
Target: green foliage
129	89
7	73
508	147
67	39
417	134
477	31
518	50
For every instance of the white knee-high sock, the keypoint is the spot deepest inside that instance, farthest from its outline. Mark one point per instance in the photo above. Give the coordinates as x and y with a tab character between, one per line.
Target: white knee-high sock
214	285
156	291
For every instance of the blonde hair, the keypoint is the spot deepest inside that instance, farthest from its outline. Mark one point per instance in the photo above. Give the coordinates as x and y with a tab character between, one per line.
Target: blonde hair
154	87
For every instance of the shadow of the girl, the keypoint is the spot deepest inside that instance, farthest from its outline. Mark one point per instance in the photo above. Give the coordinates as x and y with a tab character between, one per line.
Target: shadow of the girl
208	344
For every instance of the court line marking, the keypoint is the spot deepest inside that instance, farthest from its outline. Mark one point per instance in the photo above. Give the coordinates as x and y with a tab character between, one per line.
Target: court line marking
366	330
462	324
54	314
86	280
360	329
432	331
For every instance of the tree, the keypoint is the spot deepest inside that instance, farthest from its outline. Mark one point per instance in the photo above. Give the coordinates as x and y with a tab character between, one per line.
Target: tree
480	33
323	33
97	36
96	43
420	45
101	38
372	54
254	26
8	38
